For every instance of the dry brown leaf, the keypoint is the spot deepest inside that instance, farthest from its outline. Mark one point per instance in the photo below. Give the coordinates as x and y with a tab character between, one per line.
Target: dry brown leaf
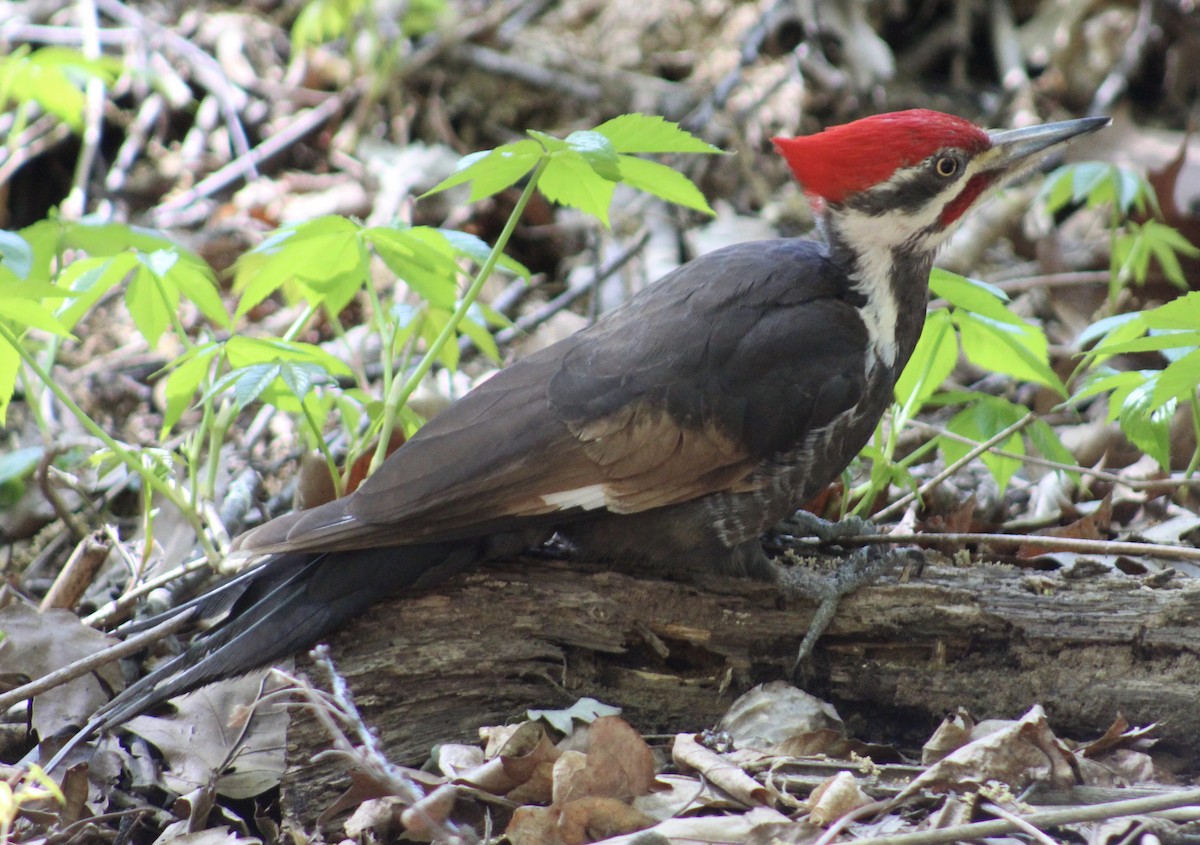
834	798
526	751
1093	526
675	795
534	826
538	788
365	787
689	754
429	815
36	644
758	825
594	818
953	733
771	713
830	743
375	820
618	764
207	735
1024	752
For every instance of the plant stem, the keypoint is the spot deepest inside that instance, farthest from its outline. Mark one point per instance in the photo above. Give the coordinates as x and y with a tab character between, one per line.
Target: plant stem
169	491
400	392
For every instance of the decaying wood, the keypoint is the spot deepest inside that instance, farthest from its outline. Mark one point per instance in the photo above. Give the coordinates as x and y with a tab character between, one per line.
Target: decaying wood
480	649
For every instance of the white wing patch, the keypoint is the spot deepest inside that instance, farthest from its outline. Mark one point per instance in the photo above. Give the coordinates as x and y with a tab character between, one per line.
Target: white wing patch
590	498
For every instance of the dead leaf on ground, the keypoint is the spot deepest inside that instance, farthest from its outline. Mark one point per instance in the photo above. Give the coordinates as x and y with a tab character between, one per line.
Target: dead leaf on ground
200	739
1023	752
836	797
772	713
37	644
718	770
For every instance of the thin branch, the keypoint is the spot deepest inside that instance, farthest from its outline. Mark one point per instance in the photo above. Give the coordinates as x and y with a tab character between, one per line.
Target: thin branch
924	490
1042	820
565	299
104	615
1098	474
94	661
246	165
1062	544
208	71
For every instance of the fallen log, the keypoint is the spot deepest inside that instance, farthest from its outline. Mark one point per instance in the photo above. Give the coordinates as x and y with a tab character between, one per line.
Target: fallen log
478	650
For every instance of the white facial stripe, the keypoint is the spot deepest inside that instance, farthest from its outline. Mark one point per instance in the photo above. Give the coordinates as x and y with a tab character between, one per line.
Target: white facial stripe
876	237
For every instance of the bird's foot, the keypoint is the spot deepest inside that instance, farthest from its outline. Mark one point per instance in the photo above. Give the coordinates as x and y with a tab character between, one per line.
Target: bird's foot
862	567
806	524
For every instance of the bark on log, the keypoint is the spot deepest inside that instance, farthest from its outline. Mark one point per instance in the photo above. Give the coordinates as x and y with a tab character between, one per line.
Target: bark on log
480	649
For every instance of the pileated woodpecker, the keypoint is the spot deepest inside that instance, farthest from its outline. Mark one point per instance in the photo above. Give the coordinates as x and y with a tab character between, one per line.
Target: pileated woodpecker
681	425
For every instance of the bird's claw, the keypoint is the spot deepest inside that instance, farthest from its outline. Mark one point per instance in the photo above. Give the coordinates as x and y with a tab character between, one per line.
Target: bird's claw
861	568
807	524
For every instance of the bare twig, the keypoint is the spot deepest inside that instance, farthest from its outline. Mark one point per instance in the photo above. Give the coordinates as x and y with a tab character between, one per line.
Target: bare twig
175	208
1134	53
924	490
75	204
104	615
41	135
1174	480
207	70
1041	820
94	661
571	294
78	572
1061	544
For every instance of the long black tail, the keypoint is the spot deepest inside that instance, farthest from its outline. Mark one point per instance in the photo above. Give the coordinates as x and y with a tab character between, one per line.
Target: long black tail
284	604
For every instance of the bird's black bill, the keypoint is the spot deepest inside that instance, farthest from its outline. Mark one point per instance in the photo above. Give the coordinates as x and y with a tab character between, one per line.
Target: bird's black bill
1011	147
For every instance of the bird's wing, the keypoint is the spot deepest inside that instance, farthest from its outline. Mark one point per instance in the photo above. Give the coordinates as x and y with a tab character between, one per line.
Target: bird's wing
681	393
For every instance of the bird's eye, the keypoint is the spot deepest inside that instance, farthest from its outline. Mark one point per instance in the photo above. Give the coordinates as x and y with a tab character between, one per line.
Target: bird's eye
946	166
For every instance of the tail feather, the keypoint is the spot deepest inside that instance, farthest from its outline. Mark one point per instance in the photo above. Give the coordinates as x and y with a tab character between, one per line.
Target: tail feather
277	608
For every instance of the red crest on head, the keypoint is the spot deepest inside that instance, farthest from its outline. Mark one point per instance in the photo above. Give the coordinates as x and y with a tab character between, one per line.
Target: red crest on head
846	159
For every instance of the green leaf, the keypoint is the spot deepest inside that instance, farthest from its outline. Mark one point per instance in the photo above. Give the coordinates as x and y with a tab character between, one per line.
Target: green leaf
27	313
436	320
972	295
1178	381
549	143
183	382
325	255
248	382
1045	440
1119	327
199	286
931	363
1180	313
1159	341
491	171
91	279
243	351
598	152
663	182
569	180
10	363
1020	351
1118	384
150	302
422	259
1058	190
321	21
1093	181
16	254
1148	428
640	133
475	327
475	248
982	420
